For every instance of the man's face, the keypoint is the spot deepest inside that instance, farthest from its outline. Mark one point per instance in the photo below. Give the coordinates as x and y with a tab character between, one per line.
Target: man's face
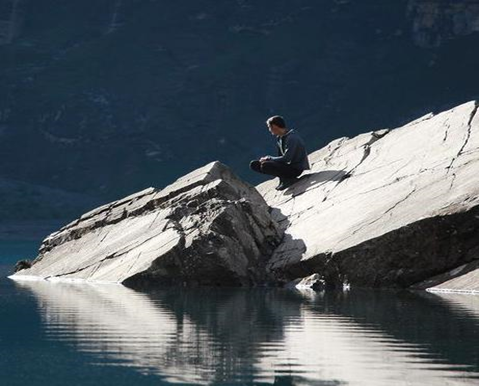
273	129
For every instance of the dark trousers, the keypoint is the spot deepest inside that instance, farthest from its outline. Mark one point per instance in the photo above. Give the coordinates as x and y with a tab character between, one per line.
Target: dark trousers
275	168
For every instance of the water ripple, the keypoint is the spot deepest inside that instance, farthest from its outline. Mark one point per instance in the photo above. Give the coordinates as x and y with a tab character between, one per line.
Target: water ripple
268	336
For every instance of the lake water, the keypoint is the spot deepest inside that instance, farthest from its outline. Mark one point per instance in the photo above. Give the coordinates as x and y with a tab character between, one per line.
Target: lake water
73	334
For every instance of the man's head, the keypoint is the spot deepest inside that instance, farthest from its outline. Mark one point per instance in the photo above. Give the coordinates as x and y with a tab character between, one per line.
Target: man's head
276	125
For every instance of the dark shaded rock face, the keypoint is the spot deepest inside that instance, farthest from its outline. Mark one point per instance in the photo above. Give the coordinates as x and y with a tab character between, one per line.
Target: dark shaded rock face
22	264
207	228
384	209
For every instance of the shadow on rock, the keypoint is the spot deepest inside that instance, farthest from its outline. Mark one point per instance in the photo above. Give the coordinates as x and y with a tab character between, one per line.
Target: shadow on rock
312	180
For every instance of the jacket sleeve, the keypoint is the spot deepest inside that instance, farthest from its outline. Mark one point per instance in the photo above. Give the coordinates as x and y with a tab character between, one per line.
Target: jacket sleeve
291	147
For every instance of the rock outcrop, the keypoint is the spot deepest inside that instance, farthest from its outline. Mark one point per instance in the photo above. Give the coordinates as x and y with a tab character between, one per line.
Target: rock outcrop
435	21
463	279
388	208
313	282
208	227
385	208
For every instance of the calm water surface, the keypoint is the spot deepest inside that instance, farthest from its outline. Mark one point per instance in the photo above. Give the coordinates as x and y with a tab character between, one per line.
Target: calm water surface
72	334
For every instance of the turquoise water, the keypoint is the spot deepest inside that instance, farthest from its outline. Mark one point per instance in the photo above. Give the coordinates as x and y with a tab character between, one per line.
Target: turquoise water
13	250
77	334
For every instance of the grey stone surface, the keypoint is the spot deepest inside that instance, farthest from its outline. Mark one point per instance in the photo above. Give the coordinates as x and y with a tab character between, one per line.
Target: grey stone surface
208	227
463	279
385	208
313	282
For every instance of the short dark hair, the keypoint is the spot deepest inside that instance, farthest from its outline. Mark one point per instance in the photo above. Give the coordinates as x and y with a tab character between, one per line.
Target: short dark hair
277	120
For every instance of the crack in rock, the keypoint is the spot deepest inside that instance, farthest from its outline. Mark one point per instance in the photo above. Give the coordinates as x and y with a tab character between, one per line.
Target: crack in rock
452	181
375	136
330	155
133	263
468	135
421	119
108	257
387	211
446	123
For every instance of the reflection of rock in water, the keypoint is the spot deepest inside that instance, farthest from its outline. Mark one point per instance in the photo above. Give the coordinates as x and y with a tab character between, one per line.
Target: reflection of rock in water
122	325
193	336
462	319
428	320
460	304
229	336
244	322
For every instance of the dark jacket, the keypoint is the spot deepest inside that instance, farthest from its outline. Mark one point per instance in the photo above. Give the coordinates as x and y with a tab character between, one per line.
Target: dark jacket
291	150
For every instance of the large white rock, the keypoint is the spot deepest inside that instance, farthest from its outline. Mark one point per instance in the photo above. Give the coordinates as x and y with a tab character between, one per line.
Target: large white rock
392	207
385	208
208	227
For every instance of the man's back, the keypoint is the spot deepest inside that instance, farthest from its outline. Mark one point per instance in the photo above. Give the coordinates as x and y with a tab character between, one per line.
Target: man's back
292	150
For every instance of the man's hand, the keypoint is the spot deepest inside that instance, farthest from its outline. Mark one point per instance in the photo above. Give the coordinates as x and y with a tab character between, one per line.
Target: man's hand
265	158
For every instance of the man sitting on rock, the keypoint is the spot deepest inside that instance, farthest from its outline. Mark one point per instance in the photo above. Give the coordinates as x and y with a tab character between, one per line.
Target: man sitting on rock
292	157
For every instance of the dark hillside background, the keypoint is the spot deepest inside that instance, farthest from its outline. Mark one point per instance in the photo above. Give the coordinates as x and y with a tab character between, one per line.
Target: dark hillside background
101	98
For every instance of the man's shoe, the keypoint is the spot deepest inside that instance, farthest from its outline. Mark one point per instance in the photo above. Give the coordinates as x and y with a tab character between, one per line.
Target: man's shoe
286	183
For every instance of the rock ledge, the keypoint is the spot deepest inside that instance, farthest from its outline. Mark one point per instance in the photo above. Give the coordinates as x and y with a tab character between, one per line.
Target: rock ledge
207	228
388	208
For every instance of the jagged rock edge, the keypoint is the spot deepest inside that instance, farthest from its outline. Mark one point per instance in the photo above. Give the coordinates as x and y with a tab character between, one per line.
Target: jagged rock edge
330	264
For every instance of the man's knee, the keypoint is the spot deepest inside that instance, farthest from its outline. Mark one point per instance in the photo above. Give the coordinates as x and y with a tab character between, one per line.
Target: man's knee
270	167
255	165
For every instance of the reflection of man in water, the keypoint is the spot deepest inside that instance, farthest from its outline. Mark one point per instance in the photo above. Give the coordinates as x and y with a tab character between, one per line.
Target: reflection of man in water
292	157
